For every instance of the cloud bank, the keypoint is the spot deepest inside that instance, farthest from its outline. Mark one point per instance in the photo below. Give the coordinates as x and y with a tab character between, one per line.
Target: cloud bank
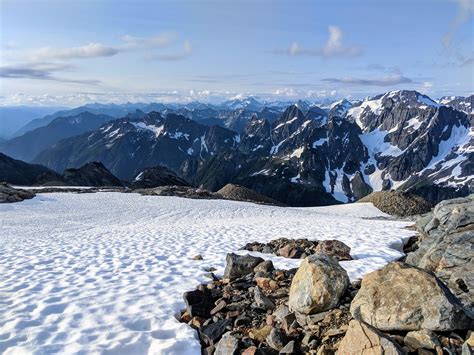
383	81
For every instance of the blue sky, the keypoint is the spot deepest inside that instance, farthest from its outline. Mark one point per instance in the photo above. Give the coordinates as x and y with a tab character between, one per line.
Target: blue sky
68	52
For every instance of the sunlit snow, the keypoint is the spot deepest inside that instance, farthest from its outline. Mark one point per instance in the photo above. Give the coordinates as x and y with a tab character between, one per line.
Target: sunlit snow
105	272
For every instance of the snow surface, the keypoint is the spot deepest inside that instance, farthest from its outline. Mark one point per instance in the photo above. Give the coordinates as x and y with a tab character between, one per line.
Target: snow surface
320	142
375	143
414	122
105	272
142	125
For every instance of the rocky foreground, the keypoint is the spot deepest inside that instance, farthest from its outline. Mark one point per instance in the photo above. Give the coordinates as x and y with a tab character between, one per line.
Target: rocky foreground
421	306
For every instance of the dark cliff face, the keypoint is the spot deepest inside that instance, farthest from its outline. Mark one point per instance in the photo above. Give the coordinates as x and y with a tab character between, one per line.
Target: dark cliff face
157	176
91	174
17	172
21	173
400	140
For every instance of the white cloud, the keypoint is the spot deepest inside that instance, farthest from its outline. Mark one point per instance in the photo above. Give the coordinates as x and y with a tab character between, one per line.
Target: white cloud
334	47
465	12
97	50
91	50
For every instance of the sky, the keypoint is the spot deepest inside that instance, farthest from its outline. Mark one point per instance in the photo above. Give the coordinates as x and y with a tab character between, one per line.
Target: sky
70	52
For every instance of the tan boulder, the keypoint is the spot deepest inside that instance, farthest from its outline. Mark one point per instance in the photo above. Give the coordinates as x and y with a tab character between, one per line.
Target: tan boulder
362	339
318	285
403	297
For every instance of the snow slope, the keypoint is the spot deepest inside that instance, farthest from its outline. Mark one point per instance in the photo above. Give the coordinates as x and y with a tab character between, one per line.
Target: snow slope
105	272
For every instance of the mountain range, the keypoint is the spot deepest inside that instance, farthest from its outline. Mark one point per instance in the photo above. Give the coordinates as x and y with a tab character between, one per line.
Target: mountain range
300	154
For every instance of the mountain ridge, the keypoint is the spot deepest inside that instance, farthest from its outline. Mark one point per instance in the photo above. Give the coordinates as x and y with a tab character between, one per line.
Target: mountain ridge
396	140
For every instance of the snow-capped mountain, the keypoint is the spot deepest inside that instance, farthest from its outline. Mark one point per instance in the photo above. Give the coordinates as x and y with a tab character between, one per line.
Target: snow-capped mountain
249	103
28	145
465	104
126	146
399	140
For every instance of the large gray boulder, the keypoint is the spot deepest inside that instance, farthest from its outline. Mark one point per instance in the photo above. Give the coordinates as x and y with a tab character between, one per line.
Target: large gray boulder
362	339
446	246
403	297
240	265
318	285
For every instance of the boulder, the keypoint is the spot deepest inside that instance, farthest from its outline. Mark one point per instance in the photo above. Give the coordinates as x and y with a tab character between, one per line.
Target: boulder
403	297
446	246
265	266
198	302
318	285
362	339
334	248
212	332
421	339
240	265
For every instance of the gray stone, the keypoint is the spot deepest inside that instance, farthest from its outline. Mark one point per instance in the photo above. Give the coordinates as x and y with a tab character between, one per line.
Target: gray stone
280	312
212	332
276	339
334	248
421	339
266	267
446	246
289	348
240	265
261	300
228	345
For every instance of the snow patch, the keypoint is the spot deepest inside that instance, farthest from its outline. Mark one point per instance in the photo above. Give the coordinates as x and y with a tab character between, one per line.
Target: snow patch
111	279
142	125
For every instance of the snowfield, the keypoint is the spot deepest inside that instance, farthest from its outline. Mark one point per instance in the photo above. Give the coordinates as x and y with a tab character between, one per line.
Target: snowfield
105	272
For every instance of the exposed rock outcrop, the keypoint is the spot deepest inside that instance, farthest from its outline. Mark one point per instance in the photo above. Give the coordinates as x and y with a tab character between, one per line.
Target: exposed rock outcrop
17	172
301	248
9	194
398	203
241	193
90	174
157	176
